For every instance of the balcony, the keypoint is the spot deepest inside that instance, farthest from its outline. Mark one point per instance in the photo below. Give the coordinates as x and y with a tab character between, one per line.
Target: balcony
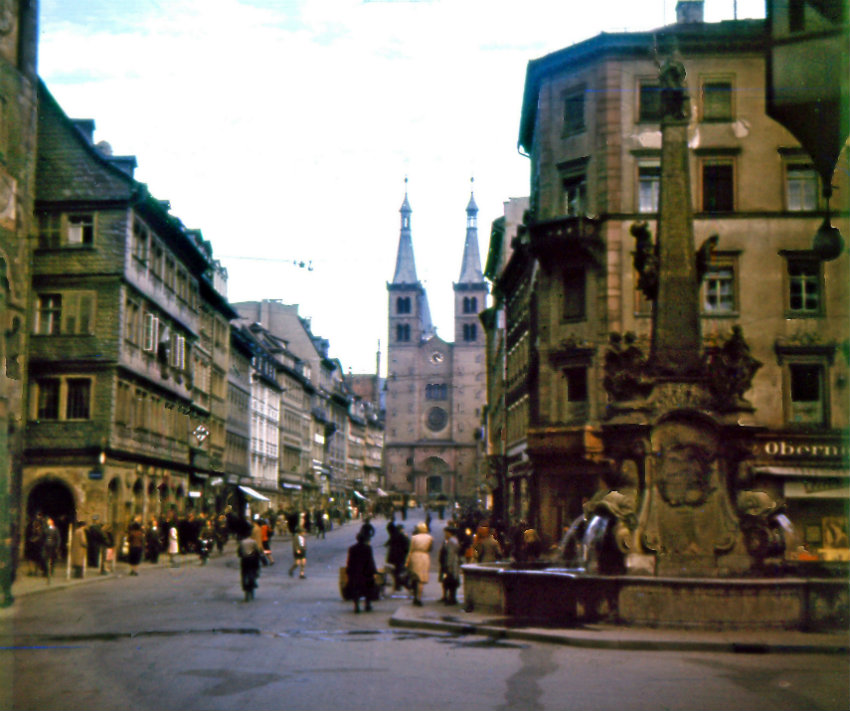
576	237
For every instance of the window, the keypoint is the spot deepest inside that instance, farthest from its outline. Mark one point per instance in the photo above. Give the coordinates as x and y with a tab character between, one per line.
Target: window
470	332
575	196
49	231
807	405
804	286
70	313
574	292
649	101
576	384
63	398
801	188
177	354
132	322
80	229
402	332
56	230
150	339
470	305
717	101
78	399
140	241
402	305
574	111
49	314
719	292
436	391
168	274
649	186
47	398
718	186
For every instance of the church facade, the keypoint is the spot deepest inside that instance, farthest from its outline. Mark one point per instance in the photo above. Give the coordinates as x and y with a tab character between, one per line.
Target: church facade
435	388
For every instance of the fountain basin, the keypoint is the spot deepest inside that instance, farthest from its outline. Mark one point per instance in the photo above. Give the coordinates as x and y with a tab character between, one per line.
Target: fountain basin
571	597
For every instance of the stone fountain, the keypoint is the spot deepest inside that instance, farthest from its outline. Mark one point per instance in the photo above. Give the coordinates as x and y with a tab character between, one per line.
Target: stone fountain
674	536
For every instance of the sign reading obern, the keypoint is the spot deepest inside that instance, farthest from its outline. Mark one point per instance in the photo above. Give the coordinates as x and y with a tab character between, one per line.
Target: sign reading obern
781	448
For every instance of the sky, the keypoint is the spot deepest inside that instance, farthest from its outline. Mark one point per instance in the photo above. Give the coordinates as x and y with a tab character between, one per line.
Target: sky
285	129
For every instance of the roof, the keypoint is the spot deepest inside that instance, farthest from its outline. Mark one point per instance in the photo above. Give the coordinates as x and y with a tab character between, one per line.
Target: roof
691	39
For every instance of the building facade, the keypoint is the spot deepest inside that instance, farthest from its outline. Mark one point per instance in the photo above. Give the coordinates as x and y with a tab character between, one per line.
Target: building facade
435	389
590	126
128	327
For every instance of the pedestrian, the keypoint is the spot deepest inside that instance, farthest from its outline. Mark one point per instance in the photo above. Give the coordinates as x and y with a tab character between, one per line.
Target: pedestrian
96	543
221	532
51	541
34	542
367	529
266	535
320	524
250	557
487	548
450	567
79	543
173	543
361	570
419	560
109	549
152	541
299	552
398	546
136	546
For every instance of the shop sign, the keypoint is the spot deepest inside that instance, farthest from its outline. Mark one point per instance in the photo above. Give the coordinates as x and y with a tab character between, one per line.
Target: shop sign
96	474
810	449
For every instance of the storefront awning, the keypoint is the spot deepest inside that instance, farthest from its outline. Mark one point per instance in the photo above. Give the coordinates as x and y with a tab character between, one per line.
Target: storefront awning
803	472
360	496
253	494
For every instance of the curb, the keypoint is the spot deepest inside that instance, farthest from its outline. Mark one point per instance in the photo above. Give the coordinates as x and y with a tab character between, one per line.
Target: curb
626	639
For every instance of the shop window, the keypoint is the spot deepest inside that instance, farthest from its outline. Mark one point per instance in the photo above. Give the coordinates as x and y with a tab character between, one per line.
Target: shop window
801	188
717	101
574	111
718	193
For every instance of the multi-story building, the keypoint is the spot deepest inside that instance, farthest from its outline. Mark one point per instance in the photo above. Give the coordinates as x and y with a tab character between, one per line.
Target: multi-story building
435	388
590	125
120	409
18	101
238	424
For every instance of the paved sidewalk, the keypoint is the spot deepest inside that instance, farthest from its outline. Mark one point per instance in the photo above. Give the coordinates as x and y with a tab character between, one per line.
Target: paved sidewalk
436	616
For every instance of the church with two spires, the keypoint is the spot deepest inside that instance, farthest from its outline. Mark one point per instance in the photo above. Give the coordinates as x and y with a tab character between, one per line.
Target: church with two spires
435	389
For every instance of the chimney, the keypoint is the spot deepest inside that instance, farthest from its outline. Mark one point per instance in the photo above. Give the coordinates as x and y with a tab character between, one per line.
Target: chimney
690	12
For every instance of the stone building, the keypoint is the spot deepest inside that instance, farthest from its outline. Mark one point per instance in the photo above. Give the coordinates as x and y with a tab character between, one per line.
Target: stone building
435	388
18	133
590	126
129	341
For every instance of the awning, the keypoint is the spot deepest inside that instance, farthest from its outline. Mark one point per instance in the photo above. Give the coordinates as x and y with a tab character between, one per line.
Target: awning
803	472
253	494
381	492
360	496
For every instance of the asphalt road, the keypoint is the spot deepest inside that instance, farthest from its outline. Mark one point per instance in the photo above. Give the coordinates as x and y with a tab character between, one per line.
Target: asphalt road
184	639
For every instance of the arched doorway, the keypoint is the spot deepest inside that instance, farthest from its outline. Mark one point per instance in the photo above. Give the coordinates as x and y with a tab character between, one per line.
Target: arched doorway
54	499
436	477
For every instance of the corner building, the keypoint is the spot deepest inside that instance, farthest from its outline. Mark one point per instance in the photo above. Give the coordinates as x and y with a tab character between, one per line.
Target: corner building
590	124
435	388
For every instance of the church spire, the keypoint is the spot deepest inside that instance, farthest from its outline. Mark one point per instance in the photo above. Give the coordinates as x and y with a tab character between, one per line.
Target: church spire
470	268
405	267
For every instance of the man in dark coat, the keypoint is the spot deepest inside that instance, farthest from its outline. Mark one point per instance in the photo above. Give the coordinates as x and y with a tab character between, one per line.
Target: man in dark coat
398	546
361	570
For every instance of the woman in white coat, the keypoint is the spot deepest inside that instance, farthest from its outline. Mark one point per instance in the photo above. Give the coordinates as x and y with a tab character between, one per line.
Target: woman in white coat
419	560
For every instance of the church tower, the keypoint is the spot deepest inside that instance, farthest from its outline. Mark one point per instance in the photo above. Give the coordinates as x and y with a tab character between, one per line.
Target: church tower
469	363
